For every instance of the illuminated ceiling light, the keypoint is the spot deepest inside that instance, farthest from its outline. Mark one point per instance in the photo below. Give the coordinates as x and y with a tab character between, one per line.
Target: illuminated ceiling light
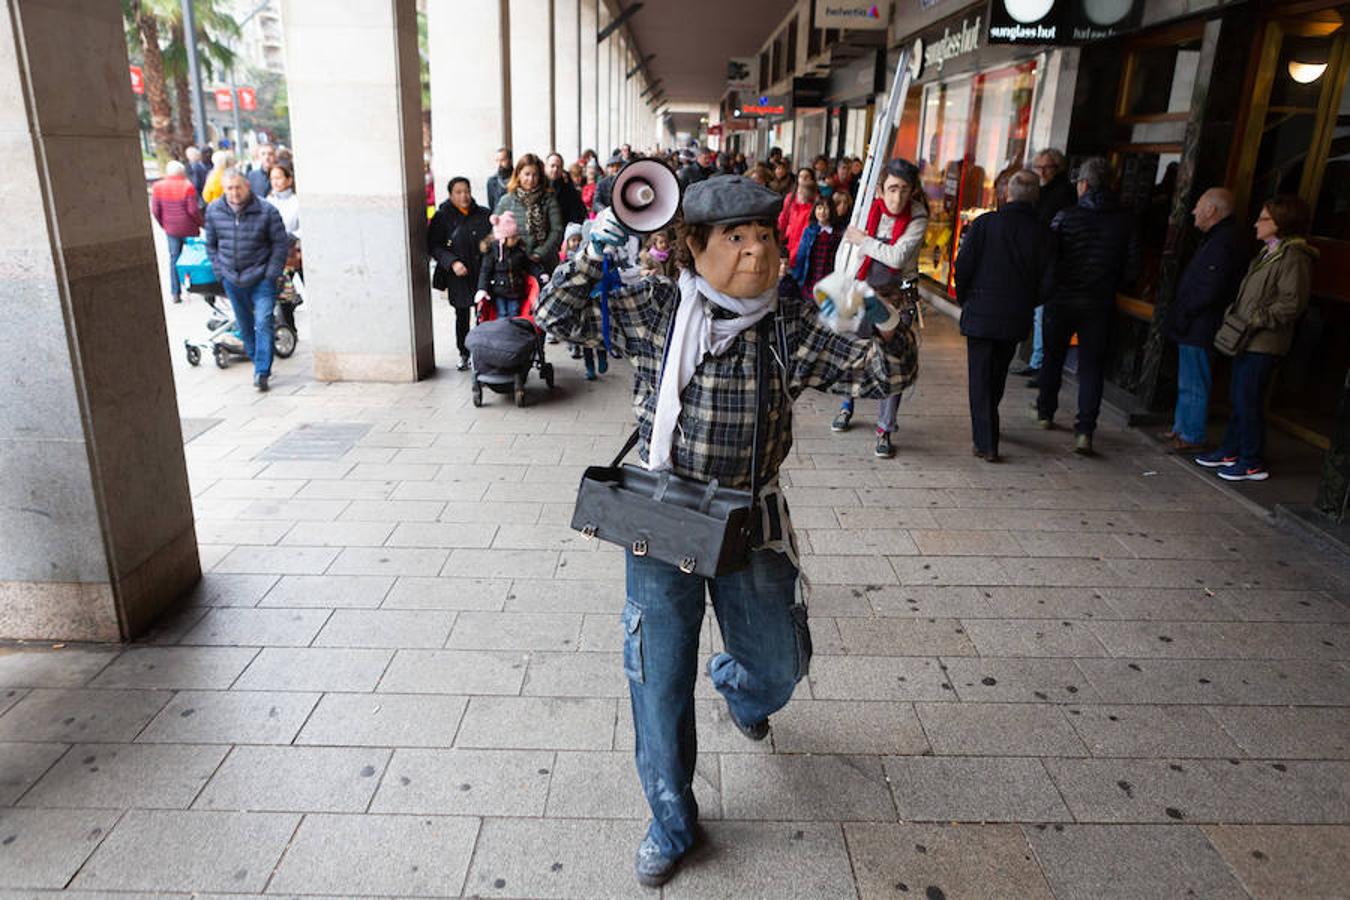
1306	73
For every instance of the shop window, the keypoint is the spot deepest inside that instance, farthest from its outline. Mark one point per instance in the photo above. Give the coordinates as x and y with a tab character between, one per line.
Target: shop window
792	44
1159	81
1331	216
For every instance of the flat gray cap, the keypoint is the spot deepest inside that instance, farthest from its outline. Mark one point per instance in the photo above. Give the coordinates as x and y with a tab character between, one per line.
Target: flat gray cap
730	200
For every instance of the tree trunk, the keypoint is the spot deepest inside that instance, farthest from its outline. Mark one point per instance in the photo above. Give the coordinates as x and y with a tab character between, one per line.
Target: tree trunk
156	91
182	88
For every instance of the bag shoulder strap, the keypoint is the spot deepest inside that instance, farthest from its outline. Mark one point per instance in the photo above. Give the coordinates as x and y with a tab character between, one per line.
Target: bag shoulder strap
629	444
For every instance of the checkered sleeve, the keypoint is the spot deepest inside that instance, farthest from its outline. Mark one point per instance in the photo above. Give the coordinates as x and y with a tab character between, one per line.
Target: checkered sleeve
569	312
861	367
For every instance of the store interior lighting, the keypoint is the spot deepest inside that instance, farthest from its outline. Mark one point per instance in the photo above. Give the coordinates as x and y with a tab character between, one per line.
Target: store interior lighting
1306	73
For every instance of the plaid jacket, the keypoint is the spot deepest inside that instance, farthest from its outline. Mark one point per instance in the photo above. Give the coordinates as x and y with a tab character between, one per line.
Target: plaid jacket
717	422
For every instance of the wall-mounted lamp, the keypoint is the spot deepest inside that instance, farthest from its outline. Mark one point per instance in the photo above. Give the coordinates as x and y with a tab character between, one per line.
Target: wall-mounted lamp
1306	73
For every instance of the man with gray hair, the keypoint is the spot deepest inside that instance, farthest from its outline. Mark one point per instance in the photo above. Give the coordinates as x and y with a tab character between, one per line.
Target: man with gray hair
1095	249
1052	171
1003	271
173	203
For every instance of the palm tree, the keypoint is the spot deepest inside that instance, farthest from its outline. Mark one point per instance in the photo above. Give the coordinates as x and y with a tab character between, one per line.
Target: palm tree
213	53
141	19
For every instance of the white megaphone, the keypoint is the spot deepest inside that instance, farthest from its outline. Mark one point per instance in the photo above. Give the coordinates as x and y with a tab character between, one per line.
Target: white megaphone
646	196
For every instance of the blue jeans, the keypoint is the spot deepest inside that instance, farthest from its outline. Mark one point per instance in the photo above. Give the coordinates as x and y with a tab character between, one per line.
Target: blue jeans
253	307
507	307
887	410
1246	433
175	250
1038	340
1193	383
757	674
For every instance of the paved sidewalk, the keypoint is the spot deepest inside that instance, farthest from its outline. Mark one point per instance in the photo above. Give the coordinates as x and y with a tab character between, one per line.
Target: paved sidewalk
1054	677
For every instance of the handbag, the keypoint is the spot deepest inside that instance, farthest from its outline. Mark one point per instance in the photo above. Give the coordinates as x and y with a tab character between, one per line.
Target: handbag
1233	334
701	527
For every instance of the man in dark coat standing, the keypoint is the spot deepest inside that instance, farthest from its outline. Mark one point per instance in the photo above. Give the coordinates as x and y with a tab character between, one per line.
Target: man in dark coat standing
1208	284
497	182
569	198
1057	193
604	191
1096	248
1004	270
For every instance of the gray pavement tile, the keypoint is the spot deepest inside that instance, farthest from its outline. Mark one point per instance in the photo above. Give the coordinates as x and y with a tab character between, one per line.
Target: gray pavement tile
349	855
295	779
876	542
9	697
455	672
230	717
922	601
712	722
862	518
1073	543
999	729
80	714
1151	731
442	534
1171	604
257	627
491	513
515	631
849	727
328	591
904	637
575	675
1225	640
600	632
394	471
1126	862
276	561
383	720
22	764
1285	606
1217	681
967	543
467	563
392	511
536	596
1274	861
538	723
338	534
189	851
878	678
604	785
1057	572
314	669
1273	732
1045	603
117	776
840	600
1033	637
466	782
828	787
411	592
388	561
981	862
944	571
231	531
48	668
183	668
44	848
576	859
347	490
216	589
848	570
543	536
173	624
296	510
587	565
1233	791
789	860
390	628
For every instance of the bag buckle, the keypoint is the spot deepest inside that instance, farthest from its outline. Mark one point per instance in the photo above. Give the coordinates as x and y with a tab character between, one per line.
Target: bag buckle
589	532
639	548
687	565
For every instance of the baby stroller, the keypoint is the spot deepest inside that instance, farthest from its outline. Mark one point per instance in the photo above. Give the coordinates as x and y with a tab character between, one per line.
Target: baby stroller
504	350
221	340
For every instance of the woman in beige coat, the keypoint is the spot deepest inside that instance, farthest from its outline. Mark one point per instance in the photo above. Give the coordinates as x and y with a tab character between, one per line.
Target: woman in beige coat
1272	297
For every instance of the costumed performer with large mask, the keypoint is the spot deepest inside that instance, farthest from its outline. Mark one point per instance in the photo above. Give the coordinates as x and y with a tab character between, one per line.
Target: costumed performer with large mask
696	418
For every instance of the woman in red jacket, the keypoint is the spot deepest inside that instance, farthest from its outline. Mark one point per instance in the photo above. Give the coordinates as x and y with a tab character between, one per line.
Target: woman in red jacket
796	213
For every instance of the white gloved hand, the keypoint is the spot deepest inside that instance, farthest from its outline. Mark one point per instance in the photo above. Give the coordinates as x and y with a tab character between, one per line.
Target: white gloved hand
543	279
481	296
606	236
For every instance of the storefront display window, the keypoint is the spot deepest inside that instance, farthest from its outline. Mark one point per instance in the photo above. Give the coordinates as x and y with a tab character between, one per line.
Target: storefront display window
972	137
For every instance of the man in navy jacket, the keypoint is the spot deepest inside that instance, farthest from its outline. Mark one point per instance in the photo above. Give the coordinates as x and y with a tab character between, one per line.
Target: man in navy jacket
1208	284
247	243
1004	270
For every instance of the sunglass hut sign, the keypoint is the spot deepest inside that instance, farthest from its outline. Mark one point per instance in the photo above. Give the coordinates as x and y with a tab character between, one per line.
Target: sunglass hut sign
952	44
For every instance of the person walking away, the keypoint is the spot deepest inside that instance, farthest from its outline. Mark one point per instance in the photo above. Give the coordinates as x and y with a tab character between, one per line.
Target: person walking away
796	212
173	203
454	241
246	243
1095	250
1270	300
696	416
1003	271
498	182
890	244
284	198
505	268
819	246
1057	194
260	176
536	211
197	169
1208	284
569	198
213	190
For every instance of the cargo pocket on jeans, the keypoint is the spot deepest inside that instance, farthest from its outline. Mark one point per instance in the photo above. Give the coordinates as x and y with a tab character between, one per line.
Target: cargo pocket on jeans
632	643
802	629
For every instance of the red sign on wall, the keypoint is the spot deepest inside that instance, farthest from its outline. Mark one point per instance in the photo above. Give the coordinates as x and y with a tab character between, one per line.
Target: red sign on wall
137	80
224	99
248	99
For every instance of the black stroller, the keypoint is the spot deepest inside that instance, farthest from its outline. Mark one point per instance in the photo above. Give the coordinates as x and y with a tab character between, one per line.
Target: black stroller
505	350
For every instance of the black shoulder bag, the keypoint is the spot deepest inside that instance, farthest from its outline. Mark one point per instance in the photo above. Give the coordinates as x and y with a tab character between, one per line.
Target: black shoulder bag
700	527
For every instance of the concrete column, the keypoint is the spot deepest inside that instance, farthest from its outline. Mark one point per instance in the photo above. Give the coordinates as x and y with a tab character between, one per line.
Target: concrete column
567	77
356	100
589	76
531	77
467	126
604	69
96	529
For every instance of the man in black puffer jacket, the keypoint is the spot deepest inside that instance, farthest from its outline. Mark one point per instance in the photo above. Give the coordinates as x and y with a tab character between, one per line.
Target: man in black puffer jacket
1096	248
247	243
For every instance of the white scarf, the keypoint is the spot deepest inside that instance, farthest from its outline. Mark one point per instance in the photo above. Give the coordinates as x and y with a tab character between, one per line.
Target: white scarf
697	334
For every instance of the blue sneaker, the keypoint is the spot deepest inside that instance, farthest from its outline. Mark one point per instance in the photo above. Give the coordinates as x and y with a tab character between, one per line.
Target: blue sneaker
1243	473
651	867
1217	459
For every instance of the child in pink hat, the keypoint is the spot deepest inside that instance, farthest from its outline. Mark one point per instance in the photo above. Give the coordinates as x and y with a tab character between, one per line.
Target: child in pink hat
502	278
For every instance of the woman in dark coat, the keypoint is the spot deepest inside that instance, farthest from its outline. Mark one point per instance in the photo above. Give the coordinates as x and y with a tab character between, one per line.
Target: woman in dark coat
453	240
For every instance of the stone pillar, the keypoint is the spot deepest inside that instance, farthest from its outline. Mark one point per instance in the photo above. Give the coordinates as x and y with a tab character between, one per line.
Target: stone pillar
531	77
467	126
567	77
356	101
590	137
604	68
96	529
